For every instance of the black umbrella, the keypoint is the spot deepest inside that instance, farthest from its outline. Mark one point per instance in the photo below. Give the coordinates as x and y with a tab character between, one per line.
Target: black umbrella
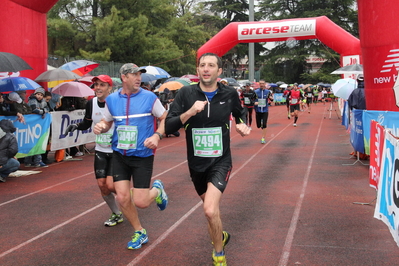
12	63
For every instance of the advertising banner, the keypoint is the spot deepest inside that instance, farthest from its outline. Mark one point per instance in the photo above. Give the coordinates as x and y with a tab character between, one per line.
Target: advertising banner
277	29
389	120
387	205
278	98
32	136
61	121
376	149
345	116
356	134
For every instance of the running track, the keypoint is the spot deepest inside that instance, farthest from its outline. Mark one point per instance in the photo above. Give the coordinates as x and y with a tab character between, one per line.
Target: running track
289	202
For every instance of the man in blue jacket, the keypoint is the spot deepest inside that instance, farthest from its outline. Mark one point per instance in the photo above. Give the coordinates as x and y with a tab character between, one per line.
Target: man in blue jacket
133	111
262	107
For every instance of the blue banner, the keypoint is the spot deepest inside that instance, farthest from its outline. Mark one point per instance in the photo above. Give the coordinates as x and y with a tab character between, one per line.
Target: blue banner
32	136
278	98
356	135
389	120
345	115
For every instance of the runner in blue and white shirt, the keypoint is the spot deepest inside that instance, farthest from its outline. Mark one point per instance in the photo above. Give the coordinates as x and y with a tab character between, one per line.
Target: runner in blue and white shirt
262	107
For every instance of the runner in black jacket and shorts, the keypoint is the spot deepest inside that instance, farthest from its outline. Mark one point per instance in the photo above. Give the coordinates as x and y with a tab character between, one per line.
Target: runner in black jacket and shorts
204	110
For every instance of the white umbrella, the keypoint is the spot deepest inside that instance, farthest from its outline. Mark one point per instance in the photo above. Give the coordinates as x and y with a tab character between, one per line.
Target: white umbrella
343	87
283	86
349	69
156	71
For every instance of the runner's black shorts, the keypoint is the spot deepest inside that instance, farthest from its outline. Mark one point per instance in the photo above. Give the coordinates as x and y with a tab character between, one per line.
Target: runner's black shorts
294	107
138	169
102	164
308	100
218	174
261	119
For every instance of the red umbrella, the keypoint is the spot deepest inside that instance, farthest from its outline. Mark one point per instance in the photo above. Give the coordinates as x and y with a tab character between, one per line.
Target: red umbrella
193	78
87	79
80	67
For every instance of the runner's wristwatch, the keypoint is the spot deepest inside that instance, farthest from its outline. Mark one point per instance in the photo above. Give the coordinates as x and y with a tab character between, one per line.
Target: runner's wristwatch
159	134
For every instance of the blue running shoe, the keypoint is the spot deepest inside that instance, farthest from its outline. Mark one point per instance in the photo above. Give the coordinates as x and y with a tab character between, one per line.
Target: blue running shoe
139	238
162	198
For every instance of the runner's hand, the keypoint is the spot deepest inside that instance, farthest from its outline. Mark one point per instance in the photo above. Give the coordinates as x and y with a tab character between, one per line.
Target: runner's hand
70	128
243	129
152	142
99	127
197	107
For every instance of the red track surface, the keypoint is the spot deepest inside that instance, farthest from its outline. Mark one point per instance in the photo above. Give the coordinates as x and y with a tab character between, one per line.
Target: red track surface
289	202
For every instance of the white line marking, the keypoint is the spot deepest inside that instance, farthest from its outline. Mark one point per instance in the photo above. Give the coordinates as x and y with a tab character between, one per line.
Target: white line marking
49	231
185	216
41	190
291	231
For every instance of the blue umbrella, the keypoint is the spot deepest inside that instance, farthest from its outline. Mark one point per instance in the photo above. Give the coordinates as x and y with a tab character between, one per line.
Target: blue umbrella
272	85
17	84
172	79
145	77
156	71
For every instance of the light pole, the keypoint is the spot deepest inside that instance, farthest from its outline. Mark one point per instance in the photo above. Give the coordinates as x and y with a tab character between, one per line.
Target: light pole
251	46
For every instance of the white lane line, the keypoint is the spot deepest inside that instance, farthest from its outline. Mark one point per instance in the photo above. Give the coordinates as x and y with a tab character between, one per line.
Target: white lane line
164	235
186	215
68	221
49	231
41	190
294	221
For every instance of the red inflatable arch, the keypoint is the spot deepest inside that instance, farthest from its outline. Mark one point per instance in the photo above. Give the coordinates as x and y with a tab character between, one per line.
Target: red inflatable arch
379	93
23	30
321	28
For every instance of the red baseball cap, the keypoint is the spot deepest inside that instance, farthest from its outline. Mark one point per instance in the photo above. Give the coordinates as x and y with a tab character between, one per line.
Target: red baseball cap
103	78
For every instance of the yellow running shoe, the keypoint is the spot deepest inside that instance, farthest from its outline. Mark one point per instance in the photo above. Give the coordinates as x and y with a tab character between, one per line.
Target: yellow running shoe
220	259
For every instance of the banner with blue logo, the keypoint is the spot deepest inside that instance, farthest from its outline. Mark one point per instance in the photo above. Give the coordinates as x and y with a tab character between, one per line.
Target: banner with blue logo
278	98
389	120
345	116
32	136
387	205
356	134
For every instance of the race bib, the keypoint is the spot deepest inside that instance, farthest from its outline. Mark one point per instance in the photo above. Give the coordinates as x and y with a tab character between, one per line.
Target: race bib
247	100
262	102
207	142
127	137
310	95
104	140
294	101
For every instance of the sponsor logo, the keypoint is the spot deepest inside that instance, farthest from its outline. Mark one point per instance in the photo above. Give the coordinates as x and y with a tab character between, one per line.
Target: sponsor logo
284	29
391	62
222	102
390	67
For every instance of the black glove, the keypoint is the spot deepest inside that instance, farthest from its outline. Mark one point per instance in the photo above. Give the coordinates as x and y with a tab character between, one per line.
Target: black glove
70	128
